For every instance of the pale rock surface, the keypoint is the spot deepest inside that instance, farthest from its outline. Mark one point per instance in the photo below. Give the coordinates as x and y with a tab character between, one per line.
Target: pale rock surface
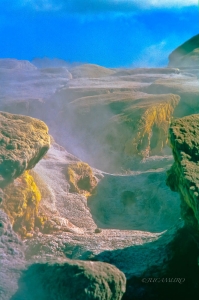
12	260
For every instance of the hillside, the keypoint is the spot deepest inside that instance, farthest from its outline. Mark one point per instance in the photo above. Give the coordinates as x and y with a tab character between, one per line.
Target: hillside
186	55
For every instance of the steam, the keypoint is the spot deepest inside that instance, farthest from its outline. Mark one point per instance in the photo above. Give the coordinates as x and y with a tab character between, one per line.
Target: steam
85	113
154	55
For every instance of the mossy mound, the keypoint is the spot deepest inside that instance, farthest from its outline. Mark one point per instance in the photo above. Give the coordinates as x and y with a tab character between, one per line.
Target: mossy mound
72	279
81	178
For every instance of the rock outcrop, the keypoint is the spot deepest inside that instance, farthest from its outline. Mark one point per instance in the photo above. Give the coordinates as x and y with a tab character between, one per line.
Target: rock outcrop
24	141
183	177
69	280
81	178
146	123
24	199
21	203
186	55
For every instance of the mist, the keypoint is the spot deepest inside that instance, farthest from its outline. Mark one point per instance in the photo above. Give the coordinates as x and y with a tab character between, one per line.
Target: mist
89	109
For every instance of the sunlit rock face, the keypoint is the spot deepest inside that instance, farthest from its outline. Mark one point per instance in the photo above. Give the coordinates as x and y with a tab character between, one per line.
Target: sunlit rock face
186	55
183	177
71	280
24	141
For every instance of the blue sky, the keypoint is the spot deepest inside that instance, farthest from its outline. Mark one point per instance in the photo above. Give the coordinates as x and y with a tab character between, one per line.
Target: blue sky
111	33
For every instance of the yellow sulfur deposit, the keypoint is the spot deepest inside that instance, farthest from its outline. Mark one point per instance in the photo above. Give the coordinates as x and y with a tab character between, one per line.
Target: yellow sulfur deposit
21	203
152	127
81	178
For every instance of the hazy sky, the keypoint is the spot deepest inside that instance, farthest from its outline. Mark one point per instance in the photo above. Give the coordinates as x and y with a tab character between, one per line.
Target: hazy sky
107	32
